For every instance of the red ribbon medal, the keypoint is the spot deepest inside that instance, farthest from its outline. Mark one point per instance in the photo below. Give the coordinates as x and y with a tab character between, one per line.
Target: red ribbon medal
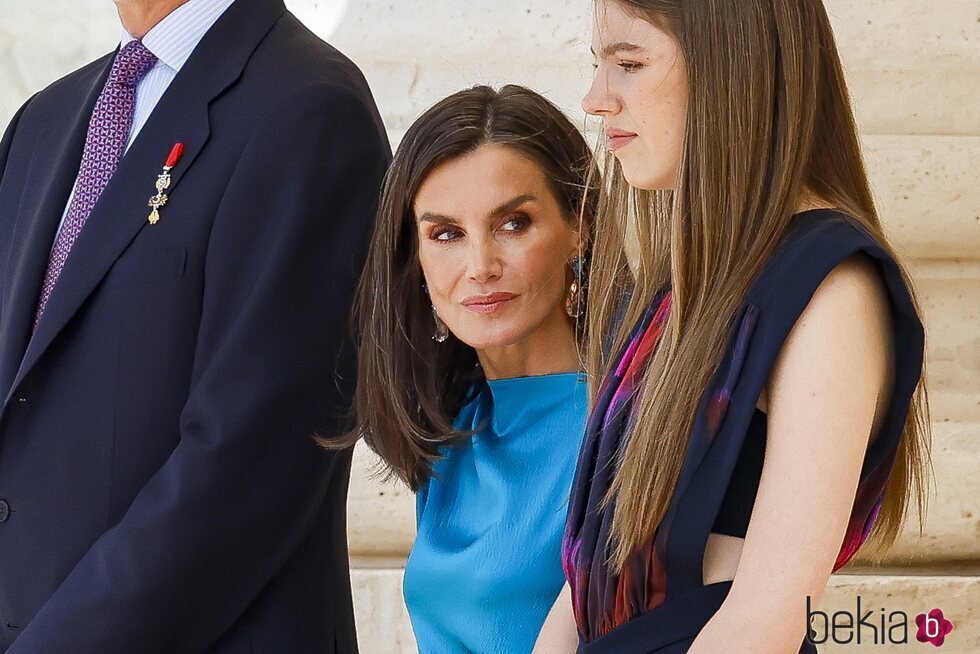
163	183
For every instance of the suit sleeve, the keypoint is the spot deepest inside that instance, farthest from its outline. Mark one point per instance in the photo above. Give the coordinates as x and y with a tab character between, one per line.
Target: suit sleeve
273	366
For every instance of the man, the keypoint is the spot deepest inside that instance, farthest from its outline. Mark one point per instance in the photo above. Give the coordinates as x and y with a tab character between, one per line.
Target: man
173	334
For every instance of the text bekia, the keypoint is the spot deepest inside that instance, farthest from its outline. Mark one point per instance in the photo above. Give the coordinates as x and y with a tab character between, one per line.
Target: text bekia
871	627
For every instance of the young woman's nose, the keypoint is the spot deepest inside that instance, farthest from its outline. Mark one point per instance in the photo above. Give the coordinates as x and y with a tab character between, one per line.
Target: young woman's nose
599	101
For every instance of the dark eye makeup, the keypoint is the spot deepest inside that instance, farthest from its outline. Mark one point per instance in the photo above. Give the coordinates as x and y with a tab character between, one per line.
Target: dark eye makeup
515	223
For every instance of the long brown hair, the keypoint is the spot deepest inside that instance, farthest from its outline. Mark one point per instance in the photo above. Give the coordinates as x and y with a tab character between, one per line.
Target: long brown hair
409	388
769	121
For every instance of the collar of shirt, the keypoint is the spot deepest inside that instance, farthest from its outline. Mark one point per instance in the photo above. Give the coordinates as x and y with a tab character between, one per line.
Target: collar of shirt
174	38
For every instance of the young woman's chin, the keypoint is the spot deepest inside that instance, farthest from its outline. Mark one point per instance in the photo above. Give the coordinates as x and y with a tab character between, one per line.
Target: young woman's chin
642	176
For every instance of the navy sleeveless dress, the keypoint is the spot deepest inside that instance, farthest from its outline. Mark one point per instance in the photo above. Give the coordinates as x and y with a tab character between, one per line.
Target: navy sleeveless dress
658	603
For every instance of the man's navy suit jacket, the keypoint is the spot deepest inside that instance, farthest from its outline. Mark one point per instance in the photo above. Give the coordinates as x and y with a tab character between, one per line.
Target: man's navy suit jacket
161	490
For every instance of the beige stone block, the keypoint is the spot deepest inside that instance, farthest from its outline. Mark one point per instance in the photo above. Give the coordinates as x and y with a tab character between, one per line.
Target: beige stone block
380	514
951	532
43	41
420	60
926	192
949	292
957	596
911	66
905	30
384	628
405	89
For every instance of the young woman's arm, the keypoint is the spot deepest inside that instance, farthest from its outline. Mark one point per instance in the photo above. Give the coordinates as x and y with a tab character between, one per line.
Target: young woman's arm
826	392
558	635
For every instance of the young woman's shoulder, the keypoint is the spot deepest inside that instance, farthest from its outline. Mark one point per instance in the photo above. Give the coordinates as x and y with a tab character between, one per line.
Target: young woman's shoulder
828	251
845	332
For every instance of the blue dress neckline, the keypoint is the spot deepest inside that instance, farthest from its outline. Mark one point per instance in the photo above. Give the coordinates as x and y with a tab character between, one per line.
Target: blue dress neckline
510	395
485	568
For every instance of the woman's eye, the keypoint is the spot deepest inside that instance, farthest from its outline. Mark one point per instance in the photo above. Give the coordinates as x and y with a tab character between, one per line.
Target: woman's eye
516	223
444	234
630	66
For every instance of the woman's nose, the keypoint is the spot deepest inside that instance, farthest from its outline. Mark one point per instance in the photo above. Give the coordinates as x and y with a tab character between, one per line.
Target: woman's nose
483	262
599	101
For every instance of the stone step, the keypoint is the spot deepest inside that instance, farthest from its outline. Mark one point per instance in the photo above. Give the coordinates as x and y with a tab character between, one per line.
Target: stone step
384	627
381	516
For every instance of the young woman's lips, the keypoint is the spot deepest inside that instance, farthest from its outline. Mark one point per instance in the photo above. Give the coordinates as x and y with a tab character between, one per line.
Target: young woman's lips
490	303
616	139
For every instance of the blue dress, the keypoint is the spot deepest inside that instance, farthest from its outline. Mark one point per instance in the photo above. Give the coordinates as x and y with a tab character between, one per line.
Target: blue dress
486	566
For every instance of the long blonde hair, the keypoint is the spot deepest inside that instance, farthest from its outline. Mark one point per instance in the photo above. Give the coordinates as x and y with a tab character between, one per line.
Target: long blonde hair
769	120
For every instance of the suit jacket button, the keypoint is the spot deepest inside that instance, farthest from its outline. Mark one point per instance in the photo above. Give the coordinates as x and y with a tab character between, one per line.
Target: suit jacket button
4	510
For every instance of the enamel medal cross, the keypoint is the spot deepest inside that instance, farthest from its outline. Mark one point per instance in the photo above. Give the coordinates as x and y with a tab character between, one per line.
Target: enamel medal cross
163	183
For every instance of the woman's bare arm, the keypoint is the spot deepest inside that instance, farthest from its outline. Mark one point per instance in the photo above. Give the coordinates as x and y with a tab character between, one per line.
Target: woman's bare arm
826	392
559	634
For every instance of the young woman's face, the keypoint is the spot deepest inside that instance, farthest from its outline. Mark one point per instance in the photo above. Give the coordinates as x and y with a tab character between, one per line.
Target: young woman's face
640	92
495	248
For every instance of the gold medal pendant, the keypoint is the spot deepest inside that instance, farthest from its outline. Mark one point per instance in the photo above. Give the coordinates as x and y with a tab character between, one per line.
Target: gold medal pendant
163	183
158	201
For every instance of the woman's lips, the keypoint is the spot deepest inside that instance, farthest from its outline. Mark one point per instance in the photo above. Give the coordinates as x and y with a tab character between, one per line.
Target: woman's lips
486	304
616	139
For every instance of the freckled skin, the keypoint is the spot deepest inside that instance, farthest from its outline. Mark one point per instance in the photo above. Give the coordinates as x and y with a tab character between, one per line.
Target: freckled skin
469	250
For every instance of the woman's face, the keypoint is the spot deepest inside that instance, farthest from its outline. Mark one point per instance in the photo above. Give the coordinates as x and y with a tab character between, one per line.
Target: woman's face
640	92
494	247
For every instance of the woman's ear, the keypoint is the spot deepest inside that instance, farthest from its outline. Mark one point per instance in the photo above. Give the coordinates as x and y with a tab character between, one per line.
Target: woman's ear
578	248
575	236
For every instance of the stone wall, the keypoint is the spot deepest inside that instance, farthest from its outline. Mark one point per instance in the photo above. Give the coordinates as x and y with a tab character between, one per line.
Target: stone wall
914	74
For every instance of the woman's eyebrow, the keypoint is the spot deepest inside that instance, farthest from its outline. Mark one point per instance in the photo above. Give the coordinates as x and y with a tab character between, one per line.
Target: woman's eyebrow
622	46
437	218
509	205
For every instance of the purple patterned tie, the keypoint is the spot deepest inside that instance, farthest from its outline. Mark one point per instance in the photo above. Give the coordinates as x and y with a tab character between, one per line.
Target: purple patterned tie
108	132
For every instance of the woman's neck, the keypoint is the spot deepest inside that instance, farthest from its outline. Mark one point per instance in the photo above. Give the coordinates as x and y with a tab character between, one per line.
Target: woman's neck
550	349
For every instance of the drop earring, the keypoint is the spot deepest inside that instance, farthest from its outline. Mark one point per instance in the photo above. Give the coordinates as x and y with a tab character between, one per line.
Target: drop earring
442	332
575	302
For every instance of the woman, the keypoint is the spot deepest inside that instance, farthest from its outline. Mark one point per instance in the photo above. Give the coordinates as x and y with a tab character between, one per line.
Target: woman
469	383
758	415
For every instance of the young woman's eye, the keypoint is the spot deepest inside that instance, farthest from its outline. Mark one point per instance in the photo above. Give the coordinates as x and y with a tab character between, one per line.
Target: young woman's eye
630	66
516	223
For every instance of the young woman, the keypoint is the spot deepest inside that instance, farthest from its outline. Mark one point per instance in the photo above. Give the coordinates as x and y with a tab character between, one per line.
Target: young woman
758	416
470	385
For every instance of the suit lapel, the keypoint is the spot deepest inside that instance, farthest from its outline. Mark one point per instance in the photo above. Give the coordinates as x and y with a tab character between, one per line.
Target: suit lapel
40	215
182	115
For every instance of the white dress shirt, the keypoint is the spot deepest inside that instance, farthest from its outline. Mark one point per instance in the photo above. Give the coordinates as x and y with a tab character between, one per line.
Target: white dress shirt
172	40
